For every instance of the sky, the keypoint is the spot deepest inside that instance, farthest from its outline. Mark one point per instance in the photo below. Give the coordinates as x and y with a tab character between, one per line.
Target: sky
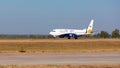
41	16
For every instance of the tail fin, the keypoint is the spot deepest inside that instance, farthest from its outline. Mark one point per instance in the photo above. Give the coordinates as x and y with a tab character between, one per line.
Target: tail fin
90	27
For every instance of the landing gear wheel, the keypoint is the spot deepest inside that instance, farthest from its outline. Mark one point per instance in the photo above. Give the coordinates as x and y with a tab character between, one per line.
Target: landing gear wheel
76	38
69	37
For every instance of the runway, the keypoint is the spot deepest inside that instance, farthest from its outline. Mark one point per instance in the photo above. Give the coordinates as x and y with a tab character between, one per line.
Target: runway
59	58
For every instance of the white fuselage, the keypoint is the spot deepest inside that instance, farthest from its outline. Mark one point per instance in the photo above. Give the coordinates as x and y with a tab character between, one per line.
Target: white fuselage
57	32
72	32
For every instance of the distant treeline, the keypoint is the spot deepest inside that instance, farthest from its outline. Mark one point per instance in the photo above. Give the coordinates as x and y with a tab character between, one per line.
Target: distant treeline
105	34
102	34
16	36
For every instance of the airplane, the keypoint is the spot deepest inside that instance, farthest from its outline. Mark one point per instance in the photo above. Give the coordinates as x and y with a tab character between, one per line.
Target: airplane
61	33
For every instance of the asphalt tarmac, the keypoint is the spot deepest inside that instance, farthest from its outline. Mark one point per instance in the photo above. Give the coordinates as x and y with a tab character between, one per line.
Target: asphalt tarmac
59	58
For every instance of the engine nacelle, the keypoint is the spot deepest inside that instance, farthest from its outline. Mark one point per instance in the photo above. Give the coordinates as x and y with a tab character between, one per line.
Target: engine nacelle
75	36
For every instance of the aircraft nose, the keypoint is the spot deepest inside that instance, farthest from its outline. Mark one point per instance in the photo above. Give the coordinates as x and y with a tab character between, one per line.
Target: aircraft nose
51	33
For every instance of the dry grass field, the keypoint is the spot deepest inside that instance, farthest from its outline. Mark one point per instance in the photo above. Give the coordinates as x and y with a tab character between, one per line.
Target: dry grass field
59	45
61	66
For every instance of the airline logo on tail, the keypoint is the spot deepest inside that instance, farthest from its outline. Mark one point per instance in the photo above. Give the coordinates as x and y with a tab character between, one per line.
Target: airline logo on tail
90	27
89	31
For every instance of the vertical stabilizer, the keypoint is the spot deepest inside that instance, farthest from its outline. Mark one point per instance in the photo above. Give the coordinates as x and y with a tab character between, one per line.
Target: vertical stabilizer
90	27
